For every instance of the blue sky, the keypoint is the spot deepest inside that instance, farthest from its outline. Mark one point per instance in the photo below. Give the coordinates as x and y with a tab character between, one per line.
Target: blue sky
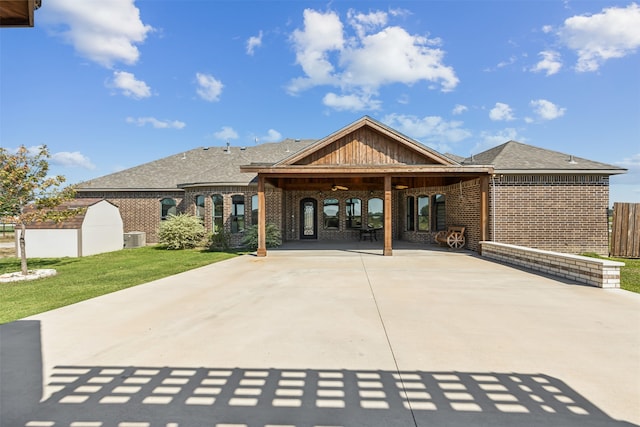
111	84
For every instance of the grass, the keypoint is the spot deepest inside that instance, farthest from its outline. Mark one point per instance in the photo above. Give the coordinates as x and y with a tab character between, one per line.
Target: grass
79	279
629	274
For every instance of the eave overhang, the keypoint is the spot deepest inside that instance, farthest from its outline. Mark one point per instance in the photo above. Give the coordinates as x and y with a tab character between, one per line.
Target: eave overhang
296	171
113	189
560	171
18	13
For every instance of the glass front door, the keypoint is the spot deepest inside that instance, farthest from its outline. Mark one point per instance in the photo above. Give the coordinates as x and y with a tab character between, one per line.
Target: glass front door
308	219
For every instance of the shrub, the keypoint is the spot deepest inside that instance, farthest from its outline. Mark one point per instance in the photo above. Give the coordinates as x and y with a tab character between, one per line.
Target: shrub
272	237
181	231
220	241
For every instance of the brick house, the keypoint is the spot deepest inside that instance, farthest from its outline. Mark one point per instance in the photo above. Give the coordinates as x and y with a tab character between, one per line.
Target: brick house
367	175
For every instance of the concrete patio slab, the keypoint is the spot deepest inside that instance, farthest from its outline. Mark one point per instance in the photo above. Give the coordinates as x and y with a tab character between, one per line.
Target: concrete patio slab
317	335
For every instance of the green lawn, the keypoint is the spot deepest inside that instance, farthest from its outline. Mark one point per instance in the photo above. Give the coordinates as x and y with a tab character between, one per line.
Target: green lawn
629	274
79	279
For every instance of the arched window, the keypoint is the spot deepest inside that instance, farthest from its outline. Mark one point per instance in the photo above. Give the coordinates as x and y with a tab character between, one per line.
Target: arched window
439	213
167	208
331	212
254	209
423	213
354	213
200	207
411	213
218	212
237	214
375	213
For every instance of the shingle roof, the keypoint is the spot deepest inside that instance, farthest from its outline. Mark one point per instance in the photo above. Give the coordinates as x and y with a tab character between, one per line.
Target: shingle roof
219	166
204	165
516	156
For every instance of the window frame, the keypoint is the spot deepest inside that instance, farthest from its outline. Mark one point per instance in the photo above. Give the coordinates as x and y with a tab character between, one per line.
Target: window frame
423	213
329	218
372	217
351	216
237	213
173	205
217	221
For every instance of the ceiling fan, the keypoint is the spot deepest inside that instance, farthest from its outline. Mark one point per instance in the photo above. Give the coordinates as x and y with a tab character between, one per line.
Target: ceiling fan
339	187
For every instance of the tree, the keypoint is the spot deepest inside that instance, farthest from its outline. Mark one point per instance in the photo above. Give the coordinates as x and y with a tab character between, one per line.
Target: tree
29	194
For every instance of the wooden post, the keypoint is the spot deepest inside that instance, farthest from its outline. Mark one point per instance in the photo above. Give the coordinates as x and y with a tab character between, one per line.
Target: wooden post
262	219
484	210
388	228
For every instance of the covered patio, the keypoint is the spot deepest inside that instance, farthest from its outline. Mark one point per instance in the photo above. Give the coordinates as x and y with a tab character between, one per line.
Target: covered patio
369	160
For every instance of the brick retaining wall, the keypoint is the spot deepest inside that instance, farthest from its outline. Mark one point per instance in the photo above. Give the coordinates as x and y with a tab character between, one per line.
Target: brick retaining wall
591	271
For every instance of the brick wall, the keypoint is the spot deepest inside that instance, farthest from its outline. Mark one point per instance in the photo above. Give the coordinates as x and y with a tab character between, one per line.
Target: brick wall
557	213
462	207
140	210
591	271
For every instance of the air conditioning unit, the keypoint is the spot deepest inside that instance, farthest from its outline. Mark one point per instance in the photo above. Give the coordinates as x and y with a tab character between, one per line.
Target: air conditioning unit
135	239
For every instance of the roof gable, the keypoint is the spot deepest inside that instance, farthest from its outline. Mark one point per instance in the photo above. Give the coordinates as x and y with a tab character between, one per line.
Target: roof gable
363	143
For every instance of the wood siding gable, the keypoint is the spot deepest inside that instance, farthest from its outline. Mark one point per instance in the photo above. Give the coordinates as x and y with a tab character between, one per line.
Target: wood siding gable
366	143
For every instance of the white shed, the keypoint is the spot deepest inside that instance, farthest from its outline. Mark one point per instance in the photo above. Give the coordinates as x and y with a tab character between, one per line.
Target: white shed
99	229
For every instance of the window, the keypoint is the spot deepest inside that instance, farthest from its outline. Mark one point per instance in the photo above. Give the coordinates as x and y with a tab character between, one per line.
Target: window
375	217
200	207
354	213
254	209
423	213
218	211
439	215
411	213
237	214
167	208
331	212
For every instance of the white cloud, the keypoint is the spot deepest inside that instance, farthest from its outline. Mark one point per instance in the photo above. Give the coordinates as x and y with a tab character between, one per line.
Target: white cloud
226	133
254	42
129	85
322	34
209	88
272	136
105	32
351	102
365	23
547	110
459	109
429	128
158	124
359	63
612	33
550	62
492	139
72	159
501	112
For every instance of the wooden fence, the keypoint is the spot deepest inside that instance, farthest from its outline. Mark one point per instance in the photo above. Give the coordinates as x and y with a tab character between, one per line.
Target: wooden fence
625	231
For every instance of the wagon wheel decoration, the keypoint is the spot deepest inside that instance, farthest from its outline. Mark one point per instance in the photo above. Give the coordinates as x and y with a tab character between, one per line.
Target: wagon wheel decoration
455	240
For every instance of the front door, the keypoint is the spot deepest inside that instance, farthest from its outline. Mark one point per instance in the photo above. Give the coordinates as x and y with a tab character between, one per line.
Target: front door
308	219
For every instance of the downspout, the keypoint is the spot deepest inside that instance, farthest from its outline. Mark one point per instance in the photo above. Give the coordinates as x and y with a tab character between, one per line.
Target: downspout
493	207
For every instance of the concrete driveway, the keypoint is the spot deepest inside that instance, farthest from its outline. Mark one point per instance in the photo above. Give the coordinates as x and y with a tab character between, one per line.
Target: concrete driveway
309	337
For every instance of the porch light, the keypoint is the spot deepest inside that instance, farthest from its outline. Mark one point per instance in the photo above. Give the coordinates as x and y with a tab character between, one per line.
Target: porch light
401	187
